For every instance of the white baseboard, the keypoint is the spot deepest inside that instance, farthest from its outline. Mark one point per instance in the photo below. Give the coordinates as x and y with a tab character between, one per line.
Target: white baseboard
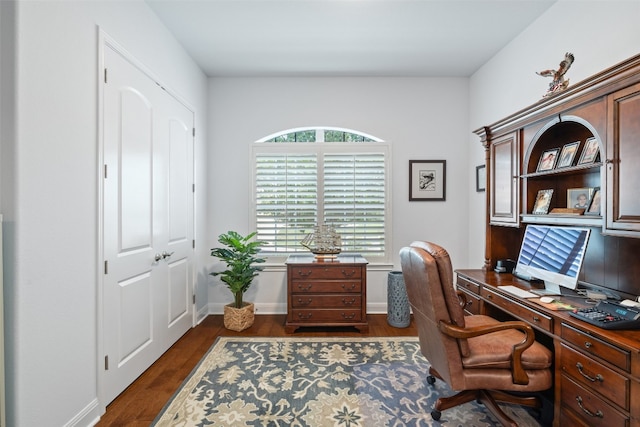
218	308
377	308
279	308
202	314
89	416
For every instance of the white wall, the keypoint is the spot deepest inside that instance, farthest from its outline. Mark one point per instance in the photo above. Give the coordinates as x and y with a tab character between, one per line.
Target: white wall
49	189
422	118
51	286
599	33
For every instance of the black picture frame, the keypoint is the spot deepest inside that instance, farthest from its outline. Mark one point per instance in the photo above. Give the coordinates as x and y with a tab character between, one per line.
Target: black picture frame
427	180
548	160
567	154
589	152
595	203
481	178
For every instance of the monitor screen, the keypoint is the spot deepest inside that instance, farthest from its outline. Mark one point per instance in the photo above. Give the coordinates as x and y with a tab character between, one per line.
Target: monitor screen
553	254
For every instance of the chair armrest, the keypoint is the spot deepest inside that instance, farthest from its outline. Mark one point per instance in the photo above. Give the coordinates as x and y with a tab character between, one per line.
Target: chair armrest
517	371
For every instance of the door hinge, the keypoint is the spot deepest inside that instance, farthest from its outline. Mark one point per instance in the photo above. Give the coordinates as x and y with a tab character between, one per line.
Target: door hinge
193	130
106	363
194	298
105	171
193	188
106	267
105	75
193	244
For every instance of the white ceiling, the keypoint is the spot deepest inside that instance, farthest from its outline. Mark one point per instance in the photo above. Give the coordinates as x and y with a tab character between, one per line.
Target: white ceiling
345	37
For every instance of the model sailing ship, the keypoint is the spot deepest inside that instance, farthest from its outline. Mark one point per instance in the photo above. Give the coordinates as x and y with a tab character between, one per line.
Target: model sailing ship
324	242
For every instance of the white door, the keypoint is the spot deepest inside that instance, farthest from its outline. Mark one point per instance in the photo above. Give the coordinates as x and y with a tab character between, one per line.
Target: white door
147	222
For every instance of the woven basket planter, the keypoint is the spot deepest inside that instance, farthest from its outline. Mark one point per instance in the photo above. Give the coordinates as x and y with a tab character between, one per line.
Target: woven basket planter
238	319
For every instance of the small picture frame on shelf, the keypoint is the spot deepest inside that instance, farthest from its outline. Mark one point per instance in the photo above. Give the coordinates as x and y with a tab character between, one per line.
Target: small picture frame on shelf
589	152
594	203
548	160
543	200
579	198
567	154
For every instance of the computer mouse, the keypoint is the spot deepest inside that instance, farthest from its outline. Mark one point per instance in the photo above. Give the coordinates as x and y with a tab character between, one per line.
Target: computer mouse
546	300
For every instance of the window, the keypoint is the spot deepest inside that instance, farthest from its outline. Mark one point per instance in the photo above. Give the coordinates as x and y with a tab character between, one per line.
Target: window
305	177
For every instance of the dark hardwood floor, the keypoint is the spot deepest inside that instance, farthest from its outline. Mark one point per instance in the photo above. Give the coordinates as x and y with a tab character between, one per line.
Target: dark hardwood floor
139	404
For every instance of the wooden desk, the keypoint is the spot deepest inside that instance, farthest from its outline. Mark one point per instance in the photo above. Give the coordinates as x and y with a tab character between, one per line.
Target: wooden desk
326	292
596	371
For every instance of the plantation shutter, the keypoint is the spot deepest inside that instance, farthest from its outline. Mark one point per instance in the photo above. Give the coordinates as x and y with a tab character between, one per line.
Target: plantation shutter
286	199
354	200
297	186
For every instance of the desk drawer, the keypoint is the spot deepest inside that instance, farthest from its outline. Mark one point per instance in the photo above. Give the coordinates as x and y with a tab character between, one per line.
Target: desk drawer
591	345
571	419
463	284
325	272
326	286
473	302
326	301
527	314
595	376
588	407
326	315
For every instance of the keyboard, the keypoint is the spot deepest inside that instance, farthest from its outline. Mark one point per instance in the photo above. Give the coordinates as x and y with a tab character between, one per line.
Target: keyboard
514	290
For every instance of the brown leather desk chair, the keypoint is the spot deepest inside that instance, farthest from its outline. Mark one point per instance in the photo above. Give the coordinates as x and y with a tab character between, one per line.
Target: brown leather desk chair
476	355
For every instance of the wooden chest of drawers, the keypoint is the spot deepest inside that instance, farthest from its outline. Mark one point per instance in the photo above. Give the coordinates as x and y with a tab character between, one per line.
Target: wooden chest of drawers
326	292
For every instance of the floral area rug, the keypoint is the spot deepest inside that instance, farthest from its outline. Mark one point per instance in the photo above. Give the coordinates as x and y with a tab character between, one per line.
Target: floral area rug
318	382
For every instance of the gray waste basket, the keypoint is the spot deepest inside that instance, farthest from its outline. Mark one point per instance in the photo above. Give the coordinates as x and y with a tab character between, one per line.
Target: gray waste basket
398	312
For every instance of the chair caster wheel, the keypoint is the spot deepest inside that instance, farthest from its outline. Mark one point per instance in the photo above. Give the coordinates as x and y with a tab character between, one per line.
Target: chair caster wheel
431	380
435	415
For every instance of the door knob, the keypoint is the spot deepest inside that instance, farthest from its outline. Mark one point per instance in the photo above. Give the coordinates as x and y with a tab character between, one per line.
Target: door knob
166	254
157	257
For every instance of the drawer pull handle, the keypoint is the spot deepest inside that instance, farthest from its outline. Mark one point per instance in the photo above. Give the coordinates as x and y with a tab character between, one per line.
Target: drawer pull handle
353	286
587	344
302	302
304	287
303	316
347	274
598	414
345	302
489	296
303	274
348	316
536	319
590	378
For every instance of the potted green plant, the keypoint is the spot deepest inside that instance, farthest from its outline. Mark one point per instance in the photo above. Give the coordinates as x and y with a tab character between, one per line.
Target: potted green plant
240	255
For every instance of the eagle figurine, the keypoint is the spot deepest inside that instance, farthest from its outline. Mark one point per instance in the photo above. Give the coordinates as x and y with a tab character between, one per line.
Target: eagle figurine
558	84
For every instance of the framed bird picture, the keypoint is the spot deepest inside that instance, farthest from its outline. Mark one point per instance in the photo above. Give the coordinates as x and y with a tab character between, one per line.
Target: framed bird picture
427	180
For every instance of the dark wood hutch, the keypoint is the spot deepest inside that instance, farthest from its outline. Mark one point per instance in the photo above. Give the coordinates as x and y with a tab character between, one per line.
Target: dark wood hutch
596	371
606	107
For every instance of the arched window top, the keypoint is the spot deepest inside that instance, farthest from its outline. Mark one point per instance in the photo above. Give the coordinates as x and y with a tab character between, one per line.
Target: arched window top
320	134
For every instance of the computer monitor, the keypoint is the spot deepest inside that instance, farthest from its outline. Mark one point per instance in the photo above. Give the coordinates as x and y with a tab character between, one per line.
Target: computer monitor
553	254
